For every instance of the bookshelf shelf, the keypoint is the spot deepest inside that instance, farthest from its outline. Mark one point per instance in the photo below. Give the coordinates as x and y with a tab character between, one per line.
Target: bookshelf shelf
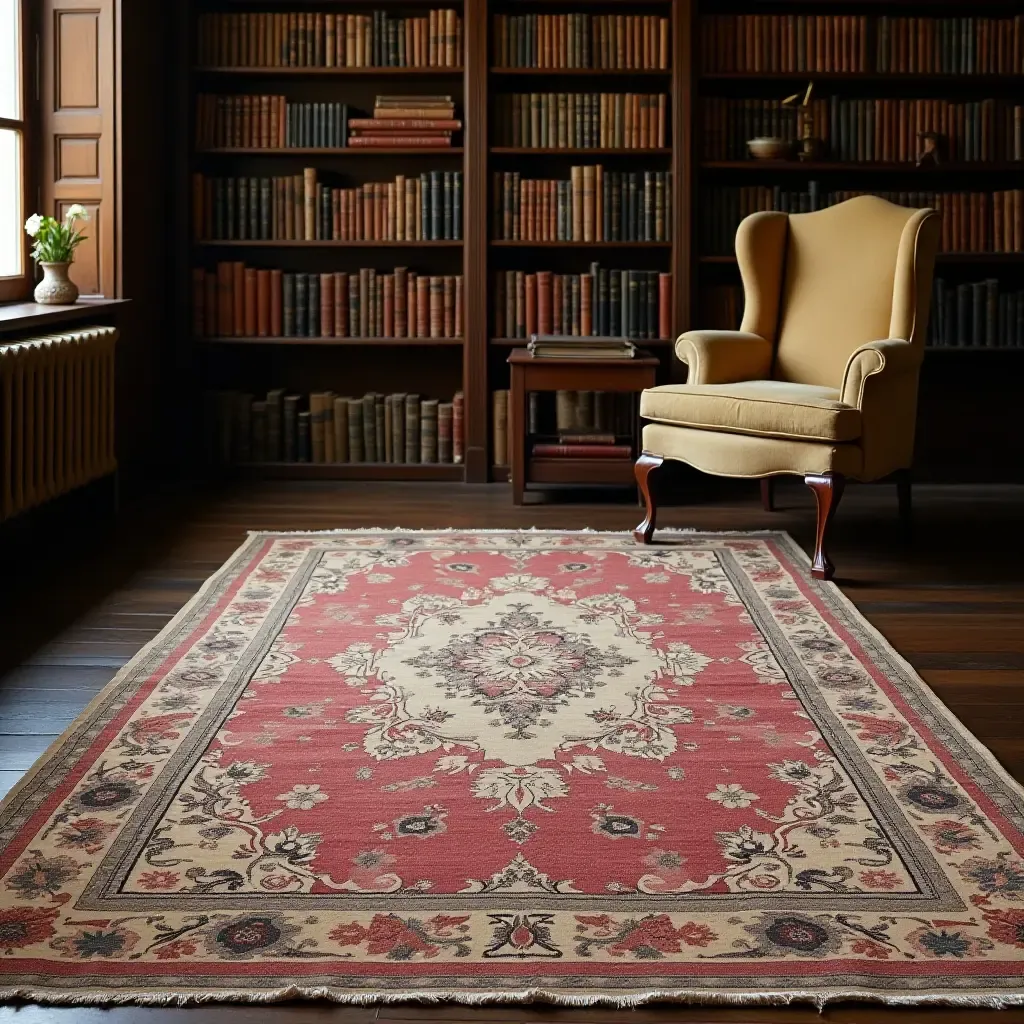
586	72
372	342
320	71
943	257
867	167
377	151
325	243
438	471
563	151
888	77
505	244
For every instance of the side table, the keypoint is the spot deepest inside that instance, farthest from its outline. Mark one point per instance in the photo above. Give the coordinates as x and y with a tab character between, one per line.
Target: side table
540	373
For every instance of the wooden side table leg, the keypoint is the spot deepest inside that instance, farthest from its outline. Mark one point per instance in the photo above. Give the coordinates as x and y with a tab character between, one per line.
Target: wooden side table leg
517	426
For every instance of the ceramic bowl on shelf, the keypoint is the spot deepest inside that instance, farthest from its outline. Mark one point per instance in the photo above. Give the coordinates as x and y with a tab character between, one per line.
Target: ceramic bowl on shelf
769	148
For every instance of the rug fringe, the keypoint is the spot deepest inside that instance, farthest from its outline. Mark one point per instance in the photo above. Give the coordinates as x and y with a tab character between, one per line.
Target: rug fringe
557	997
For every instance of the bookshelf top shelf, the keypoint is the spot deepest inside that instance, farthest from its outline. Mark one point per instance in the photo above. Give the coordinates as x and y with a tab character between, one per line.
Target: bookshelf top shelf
860	76
585	72
943	257
902	167
565	151
363	72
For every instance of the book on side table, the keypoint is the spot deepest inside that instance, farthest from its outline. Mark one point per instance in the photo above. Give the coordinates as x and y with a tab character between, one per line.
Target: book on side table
558	346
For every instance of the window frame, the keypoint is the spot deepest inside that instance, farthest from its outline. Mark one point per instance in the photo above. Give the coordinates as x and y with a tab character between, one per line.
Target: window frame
19	287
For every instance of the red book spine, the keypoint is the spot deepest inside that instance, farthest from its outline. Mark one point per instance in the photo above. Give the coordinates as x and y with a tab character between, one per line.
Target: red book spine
407	125
326	305
582	451
262	303
340	305
404	141
544	302
531	304
389	306
250	302
276	319
238	298
422	307
586	304
458	307
664	305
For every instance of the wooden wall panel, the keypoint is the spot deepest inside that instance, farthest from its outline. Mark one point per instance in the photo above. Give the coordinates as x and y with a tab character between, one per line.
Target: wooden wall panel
79	130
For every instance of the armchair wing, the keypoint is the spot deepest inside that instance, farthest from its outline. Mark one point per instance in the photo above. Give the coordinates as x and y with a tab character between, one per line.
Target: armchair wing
724	357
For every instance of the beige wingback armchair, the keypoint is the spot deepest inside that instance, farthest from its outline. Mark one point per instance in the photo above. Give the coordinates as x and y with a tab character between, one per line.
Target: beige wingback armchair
820	380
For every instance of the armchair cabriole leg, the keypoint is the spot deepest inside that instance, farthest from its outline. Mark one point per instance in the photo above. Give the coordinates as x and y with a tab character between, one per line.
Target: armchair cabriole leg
768	493
828	489
903	498
646	470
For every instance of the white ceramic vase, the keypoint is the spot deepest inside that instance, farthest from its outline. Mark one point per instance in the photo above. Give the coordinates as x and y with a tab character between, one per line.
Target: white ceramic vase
56	288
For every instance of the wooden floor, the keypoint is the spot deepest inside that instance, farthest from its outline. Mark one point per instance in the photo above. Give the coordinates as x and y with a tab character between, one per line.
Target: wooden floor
79	601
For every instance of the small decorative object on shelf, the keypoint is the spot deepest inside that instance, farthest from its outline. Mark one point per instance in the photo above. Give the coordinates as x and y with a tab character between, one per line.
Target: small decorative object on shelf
932	145
769	148
54	250
809	146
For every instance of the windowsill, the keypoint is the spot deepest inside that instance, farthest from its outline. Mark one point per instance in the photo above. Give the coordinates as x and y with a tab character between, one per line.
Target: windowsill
22	316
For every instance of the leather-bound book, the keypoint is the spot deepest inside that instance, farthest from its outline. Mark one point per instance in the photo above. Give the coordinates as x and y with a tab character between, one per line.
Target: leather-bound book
316	426
428	430
458	419
380	445
664	305
422	307
500	417
355	430
290	428
274	410
457	301
389	306
340	425
263	289
340	316
309	203
398	427
412	429
303	435
530	285
370	427
586	304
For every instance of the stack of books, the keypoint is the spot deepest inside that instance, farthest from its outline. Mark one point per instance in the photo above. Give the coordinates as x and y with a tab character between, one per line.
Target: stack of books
555	346
411	122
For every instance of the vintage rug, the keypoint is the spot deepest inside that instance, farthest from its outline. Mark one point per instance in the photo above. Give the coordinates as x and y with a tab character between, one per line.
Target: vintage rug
515	765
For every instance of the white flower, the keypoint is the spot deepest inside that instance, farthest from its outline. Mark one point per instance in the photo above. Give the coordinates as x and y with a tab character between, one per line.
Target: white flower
76	211
33	224
732	795
586	763
303	797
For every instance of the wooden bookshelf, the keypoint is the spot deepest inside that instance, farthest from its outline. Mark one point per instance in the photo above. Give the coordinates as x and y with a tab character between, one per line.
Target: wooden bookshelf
475	361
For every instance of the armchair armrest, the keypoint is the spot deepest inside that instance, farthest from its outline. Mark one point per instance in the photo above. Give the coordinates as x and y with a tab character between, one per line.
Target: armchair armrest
724	357
892	355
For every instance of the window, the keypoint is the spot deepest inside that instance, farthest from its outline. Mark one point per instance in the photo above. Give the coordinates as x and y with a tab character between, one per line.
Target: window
15	264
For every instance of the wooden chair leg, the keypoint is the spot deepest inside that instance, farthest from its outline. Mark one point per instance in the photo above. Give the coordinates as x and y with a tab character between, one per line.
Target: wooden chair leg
904	500
768	493
828	489
646	470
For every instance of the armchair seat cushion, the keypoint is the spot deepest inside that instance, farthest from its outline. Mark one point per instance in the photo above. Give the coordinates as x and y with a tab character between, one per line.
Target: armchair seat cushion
763	408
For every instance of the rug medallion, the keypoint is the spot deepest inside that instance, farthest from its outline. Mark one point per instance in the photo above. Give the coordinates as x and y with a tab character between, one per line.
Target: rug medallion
509	765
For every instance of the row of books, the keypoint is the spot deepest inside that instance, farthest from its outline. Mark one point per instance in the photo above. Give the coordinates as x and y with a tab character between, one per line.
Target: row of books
613	41
633	304
581	120
971	221
972	314
266	39
239	301
246	121
593	205
325	428
976	314
299	207
420	122
870	129
845	42
568	424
